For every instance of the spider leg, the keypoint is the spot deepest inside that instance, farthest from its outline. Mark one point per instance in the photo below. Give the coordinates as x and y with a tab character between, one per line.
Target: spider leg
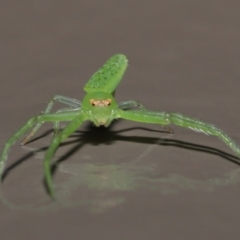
168	129
57	139
29	124
56	125
73	103
131	104
125	105
164	119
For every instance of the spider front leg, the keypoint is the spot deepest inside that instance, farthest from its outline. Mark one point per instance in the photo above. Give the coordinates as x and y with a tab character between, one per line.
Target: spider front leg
56	125
125	105
29	124
73	103
165	119
57	139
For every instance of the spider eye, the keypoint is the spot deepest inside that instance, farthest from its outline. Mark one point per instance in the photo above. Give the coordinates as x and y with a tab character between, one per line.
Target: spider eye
100	102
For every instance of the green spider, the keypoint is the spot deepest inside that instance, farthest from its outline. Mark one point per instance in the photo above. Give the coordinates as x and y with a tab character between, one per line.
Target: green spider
100	107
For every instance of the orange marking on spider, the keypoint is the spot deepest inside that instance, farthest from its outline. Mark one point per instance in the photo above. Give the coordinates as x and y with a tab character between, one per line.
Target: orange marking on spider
101	102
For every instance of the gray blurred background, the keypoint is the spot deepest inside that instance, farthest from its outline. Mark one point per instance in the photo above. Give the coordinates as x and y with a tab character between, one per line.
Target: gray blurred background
131	181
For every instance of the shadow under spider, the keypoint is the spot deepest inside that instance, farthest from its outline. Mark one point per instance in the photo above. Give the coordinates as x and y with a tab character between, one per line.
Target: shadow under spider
101	135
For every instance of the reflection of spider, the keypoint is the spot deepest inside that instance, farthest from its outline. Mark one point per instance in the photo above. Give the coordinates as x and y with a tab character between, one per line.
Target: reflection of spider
100	107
